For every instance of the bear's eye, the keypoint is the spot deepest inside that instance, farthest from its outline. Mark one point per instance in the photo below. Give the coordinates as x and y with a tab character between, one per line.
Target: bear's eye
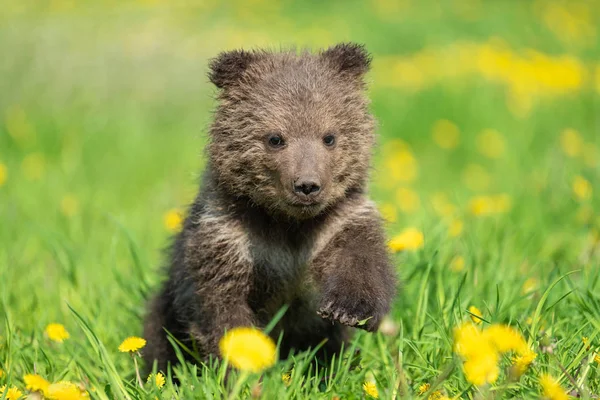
329	140
276	141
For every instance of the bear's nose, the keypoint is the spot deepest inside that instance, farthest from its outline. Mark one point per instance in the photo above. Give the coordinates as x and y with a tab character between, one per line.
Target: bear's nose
307	187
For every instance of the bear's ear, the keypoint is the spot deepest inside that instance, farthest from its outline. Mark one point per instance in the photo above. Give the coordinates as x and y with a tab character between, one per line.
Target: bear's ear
228	67
349	58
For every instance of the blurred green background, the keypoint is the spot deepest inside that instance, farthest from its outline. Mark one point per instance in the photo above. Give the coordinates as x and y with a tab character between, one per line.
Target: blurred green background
489	117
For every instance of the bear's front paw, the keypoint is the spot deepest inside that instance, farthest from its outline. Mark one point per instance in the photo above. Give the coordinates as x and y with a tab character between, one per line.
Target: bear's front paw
351	311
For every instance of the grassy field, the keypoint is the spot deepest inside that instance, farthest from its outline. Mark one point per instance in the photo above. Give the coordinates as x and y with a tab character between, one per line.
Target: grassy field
488	172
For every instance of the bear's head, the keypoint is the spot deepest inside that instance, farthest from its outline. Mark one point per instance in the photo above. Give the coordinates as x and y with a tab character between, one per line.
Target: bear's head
292	132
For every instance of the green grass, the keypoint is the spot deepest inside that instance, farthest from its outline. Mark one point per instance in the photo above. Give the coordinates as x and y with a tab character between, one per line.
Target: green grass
112	101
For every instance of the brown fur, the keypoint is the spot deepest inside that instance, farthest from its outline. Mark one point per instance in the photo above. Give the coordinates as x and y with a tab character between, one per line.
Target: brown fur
255	239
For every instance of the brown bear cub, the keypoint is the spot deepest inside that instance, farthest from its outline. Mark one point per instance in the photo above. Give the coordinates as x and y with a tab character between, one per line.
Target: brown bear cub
283	216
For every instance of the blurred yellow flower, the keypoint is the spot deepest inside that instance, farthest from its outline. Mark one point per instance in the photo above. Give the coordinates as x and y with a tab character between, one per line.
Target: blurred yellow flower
286	378
3	174
445	134
584	215
586	342
481	349
69	205
408	239
371	389
19	127
582	188
173	220
476	178
408	200
248	349
457	264
423	388
57	332
476	314
522	362
65	391
491	143
571	142
12	394
35	383
597	358
490	205
441	205
34	166
456	227
551	388
402	166
530	285
158	378
132	344
388	212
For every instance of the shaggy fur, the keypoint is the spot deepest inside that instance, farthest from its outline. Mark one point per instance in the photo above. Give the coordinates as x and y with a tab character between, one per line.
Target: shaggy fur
255	239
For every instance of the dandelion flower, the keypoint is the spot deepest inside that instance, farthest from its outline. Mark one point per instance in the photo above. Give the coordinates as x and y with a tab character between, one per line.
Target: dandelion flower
482	368
35	383
476	314
3	173
248	349
402	166
441	205
132	344
506	338
551	388
409	239
33	166
571	142
597	358
445	134
522	362
476	178
159	379
437	395
423	388
12	394
388	212
69	206
457	264
408	200
530	285
582	189
491	143
455	227
57	332
173	220
286	378
65	390
371	389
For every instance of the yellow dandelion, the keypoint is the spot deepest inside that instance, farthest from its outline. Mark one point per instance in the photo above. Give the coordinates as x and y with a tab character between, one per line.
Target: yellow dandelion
371	389
445	134
65	390
286	378
490	205
248	349
591	155
522	362
597	358
571	142
476	314
173	220
69	206
388	212
408	200
12	394
551	388
441	205
408	239
505	338
423	388
530	285
35	383
582	188
57	332
132	344
158	378
33	166
402	166
437	395
491	143
586	342
455	227
476	178
482	368
3	174
457	264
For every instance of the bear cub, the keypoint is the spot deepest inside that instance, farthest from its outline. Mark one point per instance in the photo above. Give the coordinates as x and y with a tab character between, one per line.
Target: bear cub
283	216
